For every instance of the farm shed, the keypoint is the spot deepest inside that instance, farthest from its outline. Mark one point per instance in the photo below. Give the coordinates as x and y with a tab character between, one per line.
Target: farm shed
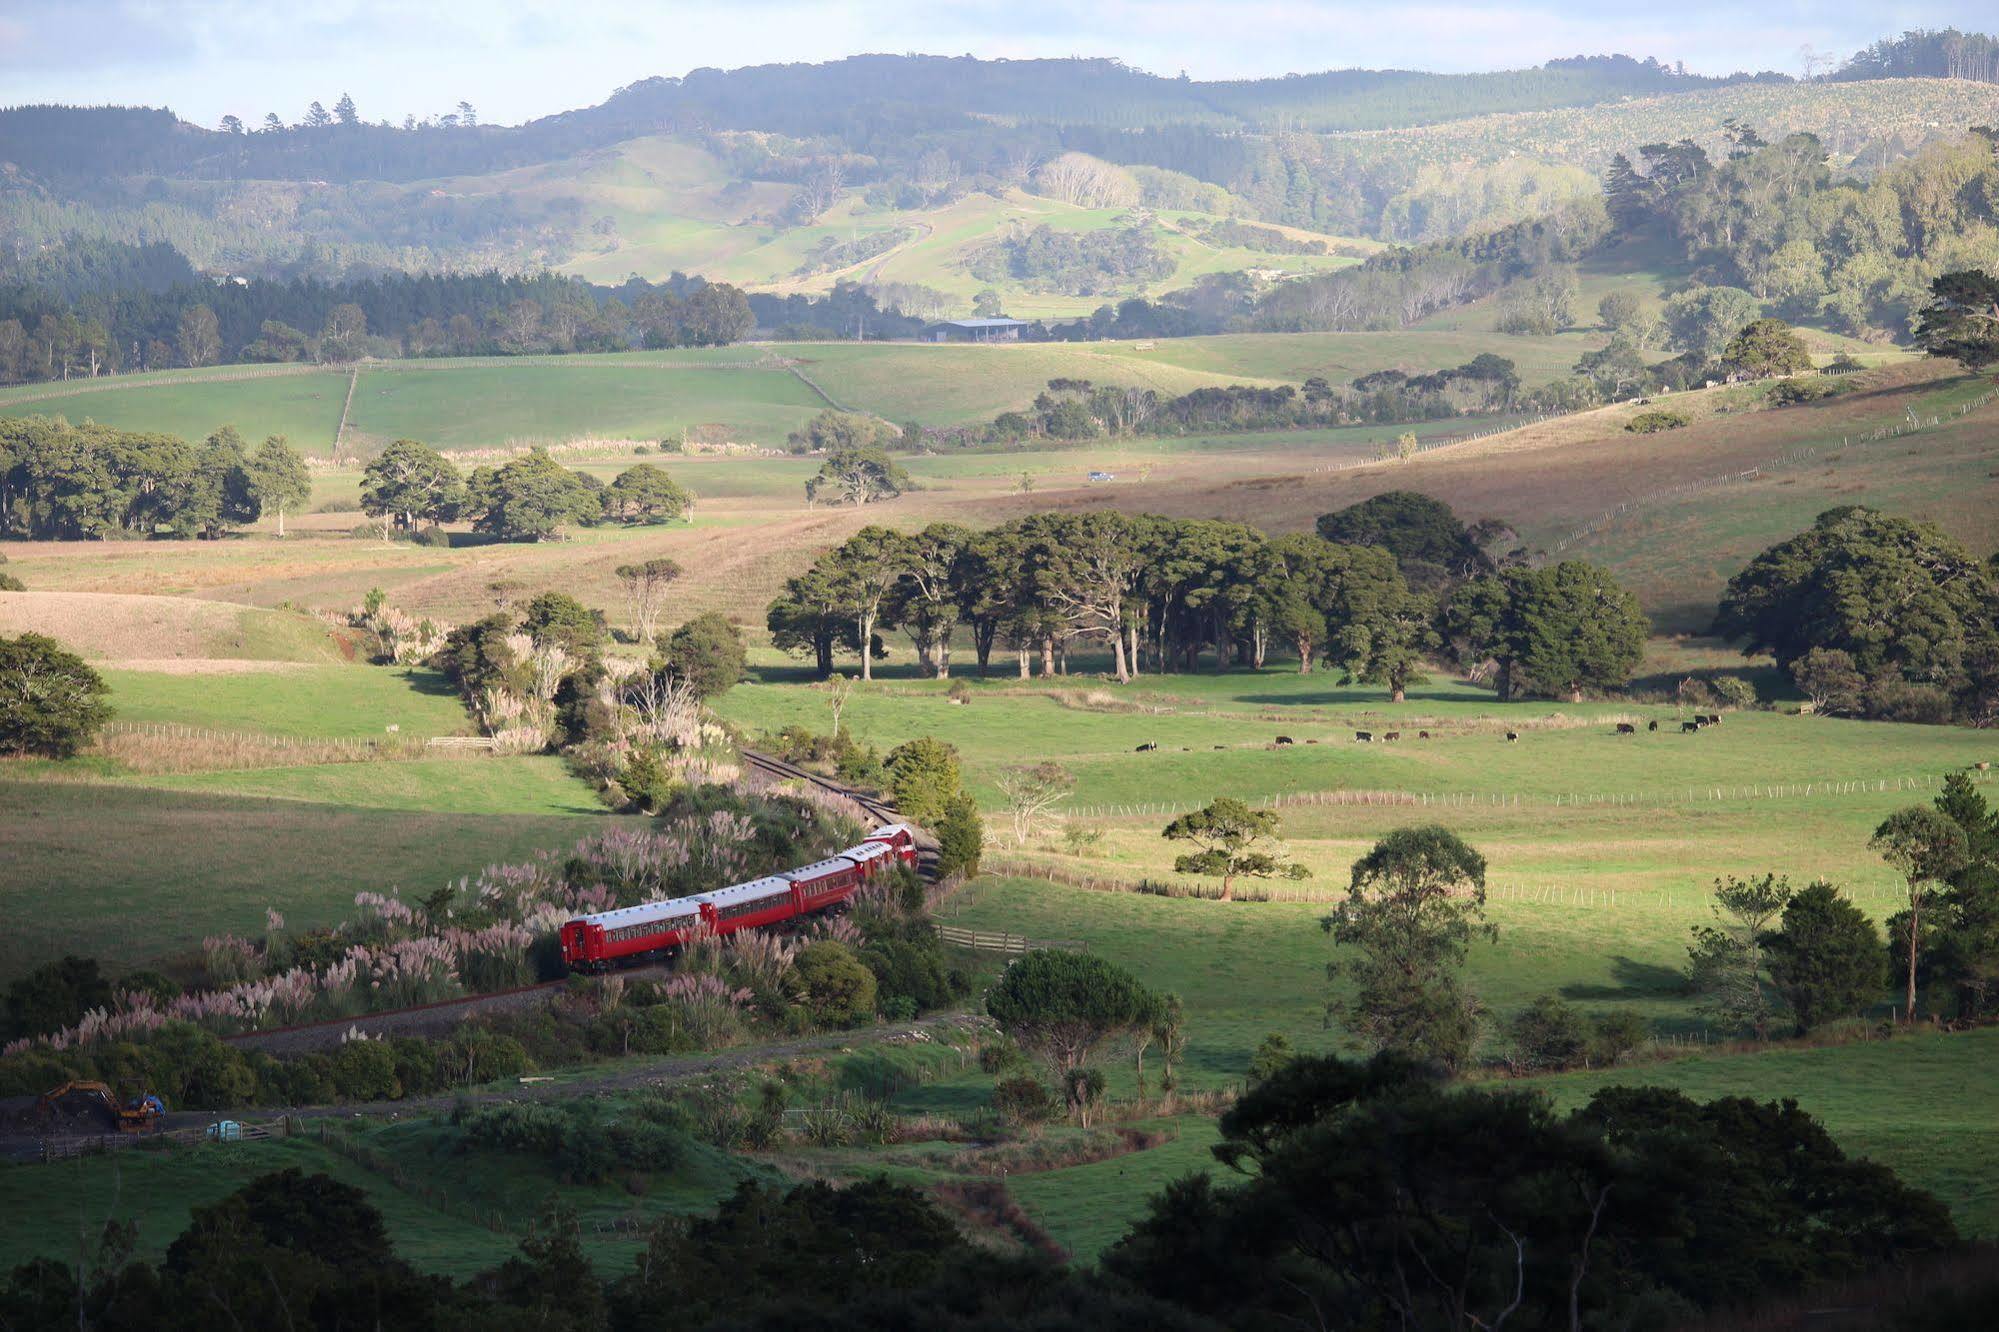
998	329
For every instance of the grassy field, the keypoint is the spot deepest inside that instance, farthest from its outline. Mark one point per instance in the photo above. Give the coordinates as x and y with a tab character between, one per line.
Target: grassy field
314	701
1920	1104
154	870
302	404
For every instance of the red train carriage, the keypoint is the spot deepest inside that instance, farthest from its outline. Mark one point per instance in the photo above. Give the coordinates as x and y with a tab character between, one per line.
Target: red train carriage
595	943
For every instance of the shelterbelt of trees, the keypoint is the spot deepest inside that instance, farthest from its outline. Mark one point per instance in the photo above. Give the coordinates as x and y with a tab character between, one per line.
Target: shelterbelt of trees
1872	615
144	308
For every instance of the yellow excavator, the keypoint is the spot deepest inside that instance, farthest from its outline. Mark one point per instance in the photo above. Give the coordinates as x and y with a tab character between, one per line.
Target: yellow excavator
142	1114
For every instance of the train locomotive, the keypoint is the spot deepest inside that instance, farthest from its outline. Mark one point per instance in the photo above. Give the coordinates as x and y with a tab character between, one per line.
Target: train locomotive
653	930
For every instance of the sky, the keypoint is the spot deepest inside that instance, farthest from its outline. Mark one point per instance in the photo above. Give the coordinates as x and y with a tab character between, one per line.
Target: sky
517	59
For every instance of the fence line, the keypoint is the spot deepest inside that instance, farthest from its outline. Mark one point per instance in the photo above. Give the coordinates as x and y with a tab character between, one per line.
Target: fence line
1691	795
355	744
999	941
1788	458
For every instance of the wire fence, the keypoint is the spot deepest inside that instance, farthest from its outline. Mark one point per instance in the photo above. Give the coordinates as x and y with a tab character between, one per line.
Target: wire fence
1788	458
1659	797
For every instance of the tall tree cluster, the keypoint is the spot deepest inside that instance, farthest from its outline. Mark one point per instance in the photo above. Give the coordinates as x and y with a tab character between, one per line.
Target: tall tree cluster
1163	594
63	482
1875	615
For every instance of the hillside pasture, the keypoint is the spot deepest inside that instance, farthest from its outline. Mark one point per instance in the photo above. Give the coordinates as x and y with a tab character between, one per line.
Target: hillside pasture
137	875
301	403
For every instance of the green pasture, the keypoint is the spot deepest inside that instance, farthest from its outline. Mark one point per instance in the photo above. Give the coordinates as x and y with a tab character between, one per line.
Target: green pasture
152	871
307	701
303	406
471	405
1216	734
532	785
1921	1104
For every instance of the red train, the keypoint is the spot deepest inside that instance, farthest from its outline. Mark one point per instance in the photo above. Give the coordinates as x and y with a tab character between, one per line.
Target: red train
658	929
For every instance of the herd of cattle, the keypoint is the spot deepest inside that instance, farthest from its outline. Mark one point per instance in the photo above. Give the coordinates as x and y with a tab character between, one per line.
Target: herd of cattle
1512	737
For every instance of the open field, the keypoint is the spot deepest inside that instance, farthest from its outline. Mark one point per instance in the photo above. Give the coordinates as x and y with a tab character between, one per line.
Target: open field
301	403
152	871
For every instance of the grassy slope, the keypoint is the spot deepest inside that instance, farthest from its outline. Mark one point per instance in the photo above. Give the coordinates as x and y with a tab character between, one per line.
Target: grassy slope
155	870
475	405
305	408
1920	1104
347	701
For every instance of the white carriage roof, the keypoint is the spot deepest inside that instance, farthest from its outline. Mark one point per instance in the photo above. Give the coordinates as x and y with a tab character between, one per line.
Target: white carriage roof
819	869
869	851
646	912
891	829
765	887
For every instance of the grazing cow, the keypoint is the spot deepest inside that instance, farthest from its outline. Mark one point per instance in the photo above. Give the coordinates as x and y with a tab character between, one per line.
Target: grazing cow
1712	719
1283	739
1687	728
1512	737
1391	735
1363	736
1221	746
1651	725
1311	742
1146	748
1422	735
1626	728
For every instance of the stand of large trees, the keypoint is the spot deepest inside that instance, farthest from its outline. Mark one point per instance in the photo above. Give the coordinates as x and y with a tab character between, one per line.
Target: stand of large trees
65	482
1878	615
1162	594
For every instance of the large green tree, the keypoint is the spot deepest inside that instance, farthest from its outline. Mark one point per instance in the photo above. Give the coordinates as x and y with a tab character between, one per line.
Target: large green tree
1562	629
857	474
708	653
51	701
1235	842
1901	598
409	482
643	493
531	498
1414	905
1063	1007
279	478
1767	347
1825	957
1961	322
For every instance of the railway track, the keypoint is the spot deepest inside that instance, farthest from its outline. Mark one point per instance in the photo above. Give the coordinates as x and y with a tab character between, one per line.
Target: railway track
446	1013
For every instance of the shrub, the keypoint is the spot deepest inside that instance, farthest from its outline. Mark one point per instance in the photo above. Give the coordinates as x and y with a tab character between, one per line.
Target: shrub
961	836
1892	699
911	970
1550	1034
1022	1099
1082	838
9	583
51	701
1653	422
1791	392
832	983
432	536
1735	691
708	653
365	1071
1617	1035
1270	1058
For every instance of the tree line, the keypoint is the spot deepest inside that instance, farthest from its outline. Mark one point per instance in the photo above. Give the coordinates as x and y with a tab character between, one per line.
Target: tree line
129	326
1161	594
528	498
60	482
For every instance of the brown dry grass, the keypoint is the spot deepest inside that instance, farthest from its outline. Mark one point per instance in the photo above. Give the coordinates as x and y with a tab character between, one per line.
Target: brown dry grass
113	626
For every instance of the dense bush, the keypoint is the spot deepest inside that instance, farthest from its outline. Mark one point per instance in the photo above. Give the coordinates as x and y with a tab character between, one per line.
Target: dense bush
1651	423
833	985
583	1143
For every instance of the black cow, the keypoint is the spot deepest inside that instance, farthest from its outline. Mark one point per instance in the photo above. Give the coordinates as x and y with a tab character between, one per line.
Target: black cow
1422	735
1651	726
1626	728
1311	741
1363	736
1687	728
1391	735
1146	748
1512	736
1283	739
1221	746
1712	719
